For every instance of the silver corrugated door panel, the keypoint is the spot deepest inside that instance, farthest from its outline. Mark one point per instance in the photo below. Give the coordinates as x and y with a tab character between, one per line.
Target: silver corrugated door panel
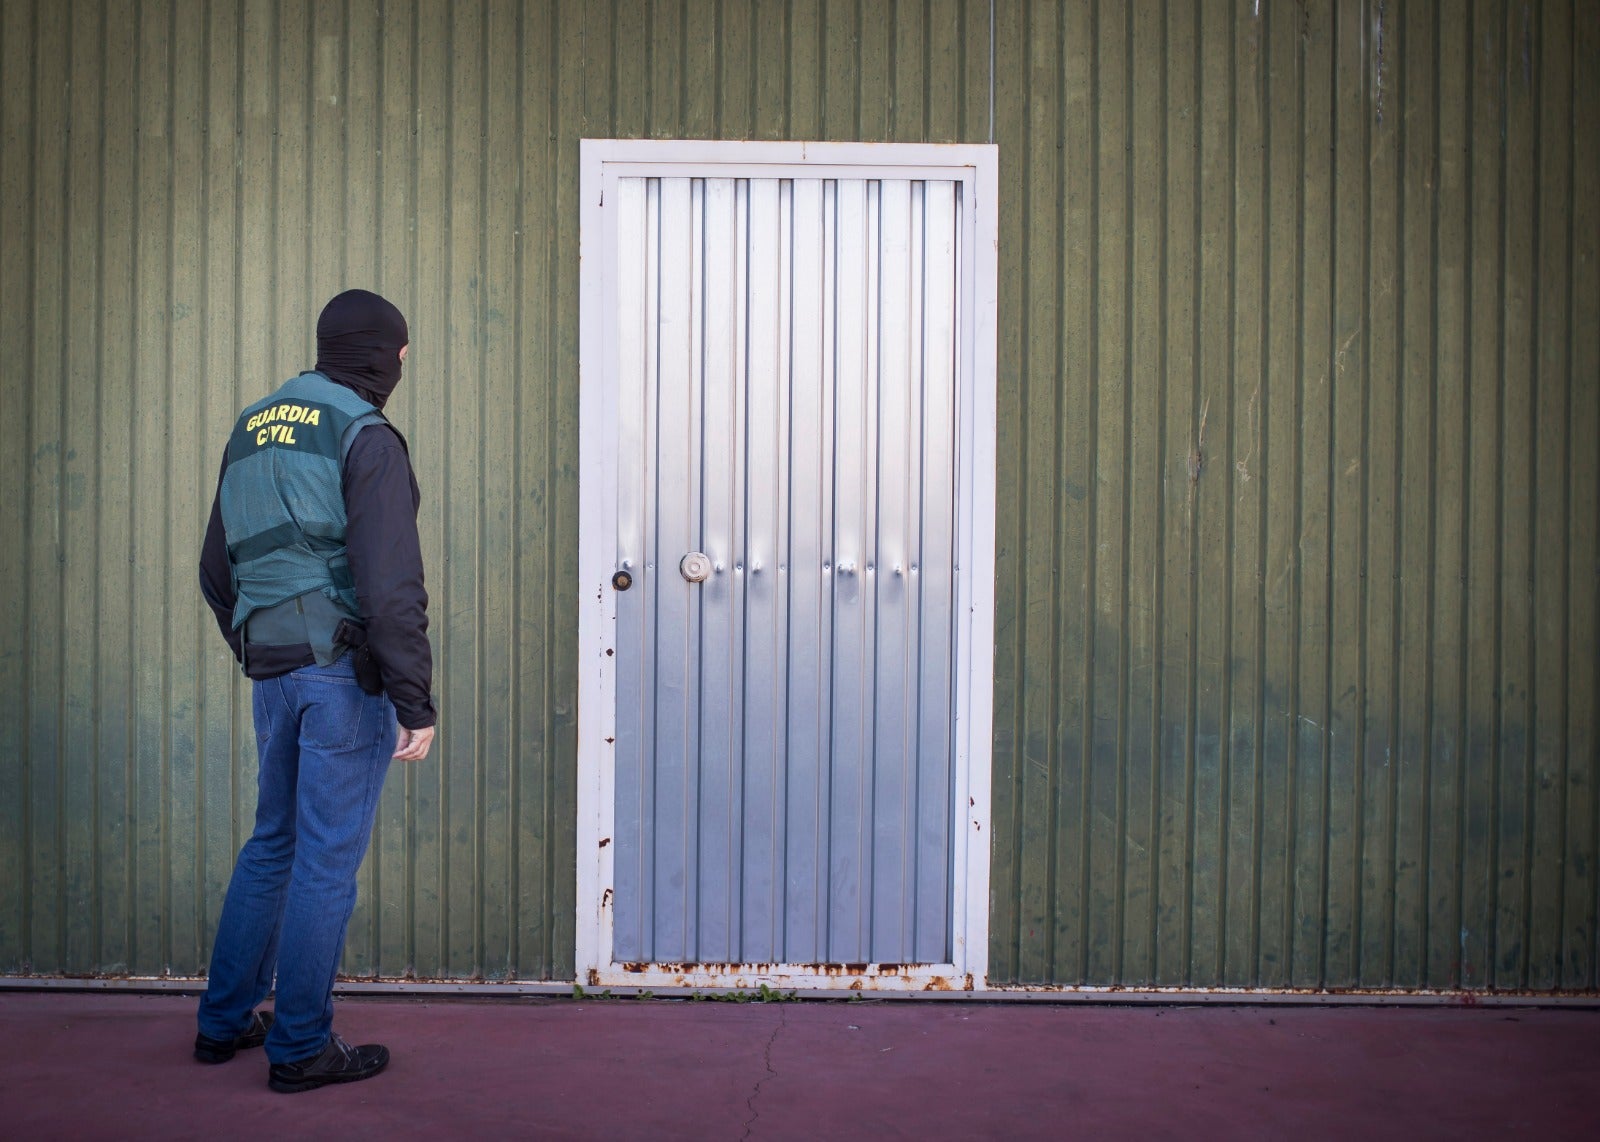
784	727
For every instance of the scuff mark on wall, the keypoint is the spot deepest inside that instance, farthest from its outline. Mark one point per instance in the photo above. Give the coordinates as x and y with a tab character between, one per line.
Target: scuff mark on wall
1242	465
1197	455
1328	731
1344	350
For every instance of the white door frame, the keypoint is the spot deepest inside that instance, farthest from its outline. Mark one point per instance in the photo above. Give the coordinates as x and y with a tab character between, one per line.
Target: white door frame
977	167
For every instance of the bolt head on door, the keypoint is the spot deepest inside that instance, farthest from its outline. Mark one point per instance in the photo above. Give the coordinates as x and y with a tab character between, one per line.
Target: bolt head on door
695	567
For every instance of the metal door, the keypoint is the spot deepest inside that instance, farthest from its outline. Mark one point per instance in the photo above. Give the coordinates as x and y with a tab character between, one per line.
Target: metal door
784	357
783	775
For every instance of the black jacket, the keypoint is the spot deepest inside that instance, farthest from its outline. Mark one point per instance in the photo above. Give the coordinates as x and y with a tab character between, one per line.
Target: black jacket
381	500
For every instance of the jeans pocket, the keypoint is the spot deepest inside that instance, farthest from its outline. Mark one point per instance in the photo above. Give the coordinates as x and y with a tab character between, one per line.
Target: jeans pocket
333	713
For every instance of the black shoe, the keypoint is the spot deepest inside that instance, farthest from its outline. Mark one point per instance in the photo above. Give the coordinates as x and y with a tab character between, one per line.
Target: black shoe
209	1050
338	1062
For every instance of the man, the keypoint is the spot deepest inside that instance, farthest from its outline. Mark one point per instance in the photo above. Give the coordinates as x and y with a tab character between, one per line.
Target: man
312	564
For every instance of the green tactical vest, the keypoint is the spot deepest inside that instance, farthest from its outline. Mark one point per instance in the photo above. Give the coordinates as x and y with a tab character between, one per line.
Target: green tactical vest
282	497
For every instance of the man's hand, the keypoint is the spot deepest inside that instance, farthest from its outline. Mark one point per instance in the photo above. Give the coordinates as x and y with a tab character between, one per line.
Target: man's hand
413	744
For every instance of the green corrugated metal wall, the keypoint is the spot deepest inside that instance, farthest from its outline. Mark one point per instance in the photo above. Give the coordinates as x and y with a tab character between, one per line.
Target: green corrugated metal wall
1296	680
1299	388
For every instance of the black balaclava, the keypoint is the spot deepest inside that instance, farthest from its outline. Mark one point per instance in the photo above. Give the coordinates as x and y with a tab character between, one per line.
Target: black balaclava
359	336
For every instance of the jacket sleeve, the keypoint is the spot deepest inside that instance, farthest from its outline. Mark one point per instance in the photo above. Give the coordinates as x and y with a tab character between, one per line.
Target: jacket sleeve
216	574
381	500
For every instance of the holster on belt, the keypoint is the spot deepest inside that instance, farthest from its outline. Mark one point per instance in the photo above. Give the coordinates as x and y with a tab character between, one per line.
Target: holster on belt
354	635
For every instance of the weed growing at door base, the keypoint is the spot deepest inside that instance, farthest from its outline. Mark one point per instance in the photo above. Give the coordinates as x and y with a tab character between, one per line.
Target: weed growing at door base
764	995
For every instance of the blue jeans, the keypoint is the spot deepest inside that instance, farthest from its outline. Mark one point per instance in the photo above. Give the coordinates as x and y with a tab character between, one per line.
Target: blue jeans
324	747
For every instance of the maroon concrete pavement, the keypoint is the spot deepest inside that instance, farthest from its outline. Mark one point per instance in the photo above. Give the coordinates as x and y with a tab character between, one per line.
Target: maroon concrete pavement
97	1065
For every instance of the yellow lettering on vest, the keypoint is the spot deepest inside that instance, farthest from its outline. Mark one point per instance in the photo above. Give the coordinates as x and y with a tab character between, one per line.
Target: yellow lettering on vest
267	421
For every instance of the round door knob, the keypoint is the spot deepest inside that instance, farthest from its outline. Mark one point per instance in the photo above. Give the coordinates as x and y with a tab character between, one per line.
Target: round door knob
622	580
695	567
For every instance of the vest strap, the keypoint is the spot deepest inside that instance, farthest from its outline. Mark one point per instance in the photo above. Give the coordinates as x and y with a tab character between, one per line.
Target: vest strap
320	540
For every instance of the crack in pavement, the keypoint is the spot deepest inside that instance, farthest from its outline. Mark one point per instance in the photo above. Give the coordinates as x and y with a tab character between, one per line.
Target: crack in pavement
750	1103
